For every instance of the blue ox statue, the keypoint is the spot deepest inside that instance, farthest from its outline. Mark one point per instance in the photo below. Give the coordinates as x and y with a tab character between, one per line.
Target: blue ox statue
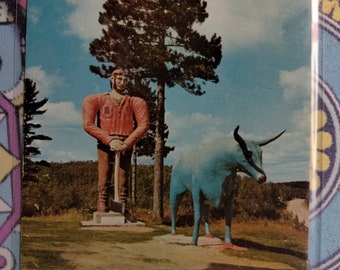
209	174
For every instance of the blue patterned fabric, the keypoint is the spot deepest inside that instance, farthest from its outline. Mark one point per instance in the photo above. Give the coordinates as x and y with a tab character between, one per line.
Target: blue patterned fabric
324	224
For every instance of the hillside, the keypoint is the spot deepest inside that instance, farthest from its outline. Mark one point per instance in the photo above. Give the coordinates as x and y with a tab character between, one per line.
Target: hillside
72	185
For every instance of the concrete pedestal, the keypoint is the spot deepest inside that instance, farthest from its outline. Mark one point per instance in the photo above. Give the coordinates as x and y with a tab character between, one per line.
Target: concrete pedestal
105	219
109	219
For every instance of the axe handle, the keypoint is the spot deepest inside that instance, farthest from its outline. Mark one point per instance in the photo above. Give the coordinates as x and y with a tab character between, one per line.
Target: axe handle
116	176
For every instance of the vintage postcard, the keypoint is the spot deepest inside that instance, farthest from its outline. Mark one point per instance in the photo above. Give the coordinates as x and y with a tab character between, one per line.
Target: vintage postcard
169	134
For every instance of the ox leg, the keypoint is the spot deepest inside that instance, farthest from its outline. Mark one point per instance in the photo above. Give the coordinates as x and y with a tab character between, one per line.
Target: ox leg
228	212
205	212
227	197
176	195
174	208
197	216
228	215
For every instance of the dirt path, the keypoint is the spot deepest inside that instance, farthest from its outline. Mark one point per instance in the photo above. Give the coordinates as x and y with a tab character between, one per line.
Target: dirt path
162	252
298	208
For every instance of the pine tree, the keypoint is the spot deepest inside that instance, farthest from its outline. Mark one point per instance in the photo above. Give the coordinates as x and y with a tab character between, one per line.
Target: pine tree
32	107
156	41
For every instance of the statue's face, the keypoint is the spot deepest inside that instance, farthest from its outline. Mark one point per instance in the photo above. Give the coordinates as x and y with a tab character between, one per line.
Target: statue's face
119	82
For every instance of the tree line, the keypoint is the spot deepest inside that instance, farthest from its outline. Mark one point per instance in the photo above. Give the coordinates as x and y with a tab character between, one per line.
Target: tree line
73	185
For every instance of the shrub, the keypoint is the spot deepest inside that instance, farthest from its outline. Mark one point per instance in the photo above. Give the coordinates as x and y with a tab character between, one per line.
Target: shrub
73	185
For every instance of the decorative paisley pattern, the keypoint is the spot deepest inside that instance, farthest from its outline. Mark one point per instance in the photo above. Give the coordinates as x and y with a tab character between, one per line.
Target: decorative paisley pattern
11	98
324	206
324	182
10	53
330	8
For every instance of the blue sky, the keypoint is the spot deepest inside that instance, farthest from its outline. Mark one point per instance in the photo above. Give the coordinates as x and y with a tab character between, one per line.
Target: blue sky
264	80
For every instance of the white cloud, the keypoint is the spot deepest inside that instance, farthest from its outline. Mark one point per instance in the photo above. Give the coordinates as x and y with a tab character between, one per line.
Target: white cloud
301	119
68	143
244	23
63	113
296	84
44	82
289	152
191	130
83	21
289	155
197	127
63	156
241	23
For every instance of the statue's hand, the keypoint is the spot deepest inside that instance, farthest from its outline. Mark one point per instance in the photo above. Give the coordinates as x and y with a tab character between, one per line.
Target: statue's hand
117	145
122	147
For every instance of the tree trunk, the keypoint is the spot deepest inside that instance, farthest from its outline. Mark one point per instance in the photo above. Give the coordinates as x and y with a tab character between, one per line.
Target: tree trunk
133	176
159	156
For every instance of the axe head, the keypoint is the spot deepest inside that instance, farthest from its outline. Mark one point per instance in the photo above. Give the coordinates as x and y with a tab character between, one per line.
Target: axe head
116	206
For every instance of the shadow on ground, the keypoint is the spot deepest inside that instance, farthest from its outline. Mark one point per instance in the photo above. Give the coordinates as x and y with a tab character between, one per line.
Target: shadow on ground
250	244
221	266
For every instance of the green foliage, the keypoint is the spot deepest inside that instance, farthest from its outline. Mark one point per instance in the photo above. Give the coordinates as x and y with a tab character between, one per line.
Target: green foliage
146	146
60	187
32	107
256	200
157	40
144	185
63	186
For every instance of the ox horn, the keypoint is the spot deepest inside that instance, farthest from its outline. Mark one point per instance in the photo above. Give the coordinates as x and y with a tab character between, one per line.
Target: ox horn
239	139
241	142
264	142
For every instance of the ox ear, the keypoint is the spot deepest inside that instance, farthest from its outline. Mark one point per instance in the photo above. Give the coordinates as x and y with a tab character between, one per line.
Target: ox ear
264	142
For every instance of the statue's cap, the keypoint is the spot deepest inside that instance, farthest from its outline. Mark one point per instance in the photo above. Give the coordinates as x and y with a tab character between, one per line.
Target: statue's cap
118	71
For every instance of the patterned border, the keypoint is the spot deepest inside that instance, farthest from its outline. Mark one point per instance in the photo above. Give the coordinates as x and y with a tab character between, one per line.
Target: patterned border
324	247
15	176
329	25
11	98
320	199
328	188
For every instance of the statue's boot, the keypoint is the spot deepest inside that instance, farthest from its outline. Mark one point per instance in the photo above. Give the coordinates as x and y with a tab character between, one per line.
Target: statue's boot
101	201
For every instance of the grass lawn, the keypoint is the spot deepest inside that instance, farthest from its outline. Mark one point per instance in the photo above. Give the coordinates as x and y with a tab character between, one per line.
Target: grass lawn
43	239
